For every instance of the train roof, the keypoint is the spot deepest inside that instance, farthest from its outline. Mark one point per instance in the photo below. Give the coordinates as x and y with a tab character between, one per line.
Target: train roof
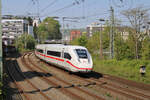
61	45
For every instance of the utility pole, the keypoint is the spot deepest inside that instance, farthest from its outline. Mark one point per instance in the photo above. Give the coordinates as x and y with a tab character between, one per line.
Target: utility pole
1	64
63	30
101	46
70	19
112	33
101	43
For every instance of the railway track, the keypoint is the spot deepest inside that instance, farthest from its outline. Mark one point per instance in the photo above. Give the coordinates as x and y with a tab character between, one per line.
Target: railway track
93	96
128	82
93	86
20	89
113	88
15	75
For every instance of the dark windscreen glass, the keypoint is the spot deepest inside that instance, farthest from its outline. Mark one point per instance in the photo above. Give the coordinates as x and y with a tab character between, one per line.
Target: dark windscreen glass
82	53
67	56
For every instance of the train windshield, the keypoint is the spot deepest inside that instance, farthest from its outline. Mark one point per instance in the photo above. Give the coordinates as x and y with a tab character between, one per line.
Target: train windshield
82	53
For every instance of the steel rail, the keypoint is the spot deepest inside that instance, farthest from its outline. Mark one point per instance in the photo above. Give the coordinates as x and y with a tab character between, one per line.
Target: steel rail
125	89
128	82
35	87
65	91
80	89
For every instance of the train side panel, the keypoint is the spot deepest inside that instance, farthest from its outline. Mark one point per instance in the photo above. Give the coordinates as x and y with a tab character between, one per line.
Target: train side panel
53	55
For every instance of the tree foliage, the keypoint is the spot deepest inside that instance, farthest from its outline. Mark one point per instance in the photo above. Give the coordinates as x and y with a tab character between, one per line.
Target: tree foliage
80	41
106	37
35	31
146	49
25	41
122	49
137	18
93	43
49	29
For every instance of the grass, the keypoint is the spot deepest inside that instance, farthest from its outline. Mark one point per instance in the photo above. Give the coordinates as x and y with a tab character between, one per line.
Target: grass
128	69
108	95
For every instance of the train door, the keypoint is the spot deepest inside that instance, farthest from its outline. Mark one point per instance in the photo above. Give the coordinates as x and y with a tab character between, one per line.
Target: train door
62	57
67	57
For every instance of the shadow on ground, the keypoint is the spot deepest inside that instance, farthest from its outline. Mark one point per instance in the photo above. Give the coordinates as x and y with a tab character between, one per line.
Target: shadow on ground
91	74
10	92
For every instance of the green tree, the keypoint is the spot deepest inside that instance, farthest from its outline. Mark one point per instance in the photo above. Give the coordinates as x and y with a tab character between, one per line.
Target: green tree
74	42
25	42
49	29
30	42
137	18
131	46
35	31
106	37
146	49
42	33
122	50
30	20
82	40
93	43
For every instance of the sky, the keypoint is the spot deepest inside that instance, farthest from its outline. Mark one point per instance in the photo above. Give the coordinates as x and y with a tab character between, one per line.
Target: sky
91	10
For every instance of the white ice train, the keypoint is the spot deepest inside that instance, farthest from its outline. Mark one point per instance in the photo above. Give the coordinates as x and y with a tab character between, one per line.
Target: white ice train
71	58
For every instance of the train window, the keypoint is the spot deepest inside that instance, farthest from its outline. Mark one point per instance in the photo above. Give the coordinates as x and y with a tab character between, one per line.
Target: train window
67	56
82	53
54	53
40	50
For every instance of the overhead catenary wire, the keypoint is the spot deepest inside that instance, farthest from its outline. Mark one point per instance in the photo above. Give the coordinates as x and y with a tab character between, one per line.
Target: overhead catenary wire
38	8
121	3
96	14
60	9
28	6
83	8
50	4
76	2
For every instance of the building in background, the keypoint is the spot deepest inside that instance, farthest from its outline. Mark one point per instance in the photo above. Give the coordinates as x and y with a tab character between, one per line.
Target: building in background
75	34
15	27
94	27
124	31
36	22
97	27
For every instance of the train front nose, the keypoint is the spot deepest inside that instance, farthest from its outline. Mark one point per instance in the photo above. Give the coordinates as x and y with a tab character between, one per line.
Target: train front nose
84	60
85	65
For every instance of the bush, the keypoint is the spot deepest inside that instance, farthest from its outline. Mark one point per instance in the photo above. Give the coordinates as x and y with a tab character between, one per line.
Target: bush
25	42
82	41
128	69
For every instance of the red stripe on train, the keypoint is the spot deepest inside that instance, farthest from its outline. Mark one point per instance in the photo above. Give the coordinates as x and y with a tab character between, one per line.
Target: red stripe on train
55	58
50	57
76	66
